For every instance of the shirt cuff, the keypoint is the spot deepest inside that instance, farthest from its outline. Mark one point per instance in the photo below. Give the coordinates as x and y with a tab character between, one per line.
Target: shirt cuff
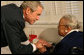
26	42
34	47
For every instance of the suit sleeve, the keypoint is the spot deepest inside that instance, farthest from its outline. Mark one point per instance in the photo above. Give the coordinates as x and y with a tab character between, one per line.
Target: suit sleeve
13	35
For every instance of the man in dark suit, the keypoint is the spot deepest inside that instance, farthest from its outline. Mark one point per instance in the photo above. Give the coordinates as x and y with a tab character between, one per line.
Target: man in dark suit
12	23
72	43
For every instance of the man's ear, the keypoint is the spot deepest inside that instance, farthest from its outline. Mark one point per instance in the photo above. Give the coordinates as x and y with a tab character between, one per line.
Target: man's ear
28	10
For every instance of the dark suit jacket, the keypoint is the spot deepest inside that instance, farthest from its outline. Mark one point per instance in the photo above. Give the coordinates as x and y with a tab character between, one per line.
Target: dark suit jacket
12	34
74	39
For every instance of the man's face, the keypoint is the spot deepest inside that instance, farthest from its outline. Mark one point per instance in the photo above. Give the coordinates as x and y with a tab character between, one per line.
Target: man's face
32	17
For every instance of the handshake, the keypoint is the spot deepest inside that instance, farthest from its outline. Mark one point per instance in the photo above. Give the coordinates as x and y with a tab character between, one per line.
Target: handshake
41	45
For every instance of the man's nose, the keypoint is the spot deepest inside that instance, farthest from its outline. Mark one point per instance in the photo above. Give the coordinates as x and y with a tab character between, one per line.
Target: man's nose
37	18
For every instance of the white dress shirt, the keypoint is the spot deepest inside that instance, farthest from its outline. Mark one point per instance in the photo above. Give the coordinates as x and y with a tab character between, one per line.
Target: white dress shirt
72	31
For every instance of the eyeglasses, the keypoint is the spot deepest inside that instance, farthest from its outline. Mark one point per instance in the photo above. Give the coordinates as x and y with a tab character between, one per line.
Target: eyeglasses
63	25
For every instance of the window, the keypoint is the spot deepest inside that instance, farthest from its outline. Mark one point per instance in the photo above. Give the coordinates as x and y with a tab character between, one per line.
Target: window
54	10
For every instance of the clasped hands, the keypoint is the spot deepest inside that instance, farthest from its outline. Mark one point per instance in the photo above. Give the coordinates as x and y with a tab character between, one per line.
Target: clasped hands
42	44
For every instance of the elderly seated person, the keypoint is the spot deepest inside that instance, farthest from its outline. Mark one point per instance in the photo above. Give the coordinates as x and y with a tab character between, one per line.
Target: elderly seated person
72	43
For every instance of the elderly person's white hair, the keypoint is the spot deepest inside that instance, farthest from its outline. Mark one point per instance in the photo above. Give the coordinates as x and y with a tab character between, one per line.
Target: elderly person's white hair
72	21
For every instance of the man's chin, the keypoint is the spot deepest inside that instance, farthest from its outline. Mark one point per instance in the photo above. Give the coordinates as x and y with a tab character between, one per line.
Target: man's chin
60	34
31	23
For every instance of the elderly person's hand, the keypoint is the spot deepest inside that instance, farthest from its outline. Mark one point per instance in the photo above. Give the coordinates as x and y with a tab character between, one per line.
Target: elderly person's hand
41	45
45	43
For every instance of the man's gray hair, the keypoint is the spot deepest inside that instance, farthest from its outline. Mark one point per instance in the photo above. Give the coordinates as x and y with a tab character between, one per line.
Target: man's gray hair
31	4
72	21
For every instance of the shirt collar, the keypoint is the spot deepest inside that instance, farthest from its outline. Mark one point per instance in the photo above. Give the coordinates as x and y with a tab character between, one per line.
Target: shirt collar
23	16
72	31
